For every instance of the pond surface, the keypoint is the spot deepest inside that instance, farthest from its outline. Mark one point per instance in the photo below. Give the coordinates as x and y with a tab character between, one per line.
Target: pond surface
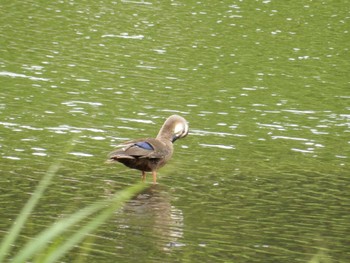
263	175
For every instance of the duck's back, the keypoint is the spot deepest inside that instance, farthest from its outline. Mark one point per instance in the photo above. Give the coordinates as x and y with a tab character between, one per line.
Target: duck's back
144	154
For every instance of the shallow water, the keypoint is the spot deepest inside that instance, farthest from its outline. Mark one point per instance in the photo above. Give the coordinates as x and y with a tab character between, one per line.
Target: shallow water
263	175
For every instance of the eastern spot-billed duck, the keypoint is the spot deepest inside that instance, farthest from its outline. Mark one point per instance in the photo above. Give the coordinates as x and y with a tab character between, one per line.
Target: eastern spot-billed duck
150	154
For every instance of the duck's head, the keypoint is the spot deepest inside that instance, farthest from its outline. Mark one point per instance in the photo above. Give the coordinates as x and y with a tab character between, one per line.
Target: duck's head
175	127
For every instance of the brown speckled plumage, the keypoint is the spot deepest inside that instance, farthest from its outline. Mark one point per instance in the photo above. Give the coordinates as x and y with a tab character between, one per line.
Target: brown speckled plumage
150	154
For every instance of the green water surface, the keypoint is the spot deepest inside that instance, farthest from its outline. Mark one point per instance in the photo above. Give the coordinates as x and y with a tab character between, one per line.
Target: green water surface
263	175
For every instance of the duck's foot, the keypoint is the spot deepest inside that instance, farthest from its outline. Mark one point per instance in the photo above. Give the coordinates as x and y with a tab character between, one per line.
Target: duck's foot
143	176
154	174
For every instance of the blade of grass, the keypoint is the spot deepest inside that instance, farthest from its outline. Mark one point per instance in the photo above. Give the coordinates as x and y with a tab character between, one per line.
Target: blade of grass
26	211
39	243
7	242
118	200
43	239
85	249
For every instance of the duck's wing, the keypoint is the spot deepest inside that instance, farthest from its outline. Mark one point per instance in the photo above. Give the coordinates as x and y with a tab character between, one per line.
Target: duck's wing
141	148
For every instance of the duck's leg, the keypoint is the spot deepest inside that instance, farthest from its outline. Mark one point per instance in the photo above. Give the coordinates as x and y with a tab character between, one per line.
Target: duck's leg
154	174
143	176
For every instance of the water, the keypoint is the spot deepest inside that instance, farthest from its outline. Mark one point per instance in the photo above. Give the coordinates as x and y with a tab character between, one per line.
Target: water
263	175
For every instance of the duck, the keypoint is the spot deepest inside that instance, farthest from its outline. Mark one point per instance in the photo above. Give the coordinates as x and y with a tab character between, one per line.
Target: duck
150	154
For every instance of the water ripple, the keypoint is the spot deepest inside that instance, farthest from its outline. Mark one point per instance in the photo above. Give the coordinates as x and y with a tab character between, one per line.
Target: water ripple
81	154
221	134
16	75
301	111
289	138
68	128
229	147
310	150
74	103
125	36
136	120
12	158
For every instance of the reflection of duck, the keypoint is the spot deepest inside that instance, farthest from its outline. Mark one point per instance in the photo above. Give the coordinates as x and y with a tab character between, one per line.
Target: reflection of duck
154	206
150	154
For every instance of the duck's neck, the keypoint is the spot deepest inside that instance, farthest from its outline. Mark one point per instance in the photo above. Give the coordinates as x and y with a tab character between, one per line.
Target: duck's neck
165	132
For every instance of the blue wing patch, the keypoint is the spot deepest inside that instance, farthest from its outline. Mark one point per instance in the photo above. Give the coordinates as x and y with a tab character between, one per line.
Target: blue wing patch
145	145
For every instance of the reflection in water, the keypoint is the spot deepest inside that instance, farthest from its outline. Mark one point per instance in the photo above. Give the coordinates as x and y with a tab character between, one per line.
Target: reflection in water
153	206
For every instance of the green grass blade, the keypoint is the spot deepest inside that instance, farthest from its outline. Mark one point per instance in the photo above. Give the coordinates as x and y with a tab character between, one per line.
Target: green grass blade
41	240
118	200
17	226
26	211
39	243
